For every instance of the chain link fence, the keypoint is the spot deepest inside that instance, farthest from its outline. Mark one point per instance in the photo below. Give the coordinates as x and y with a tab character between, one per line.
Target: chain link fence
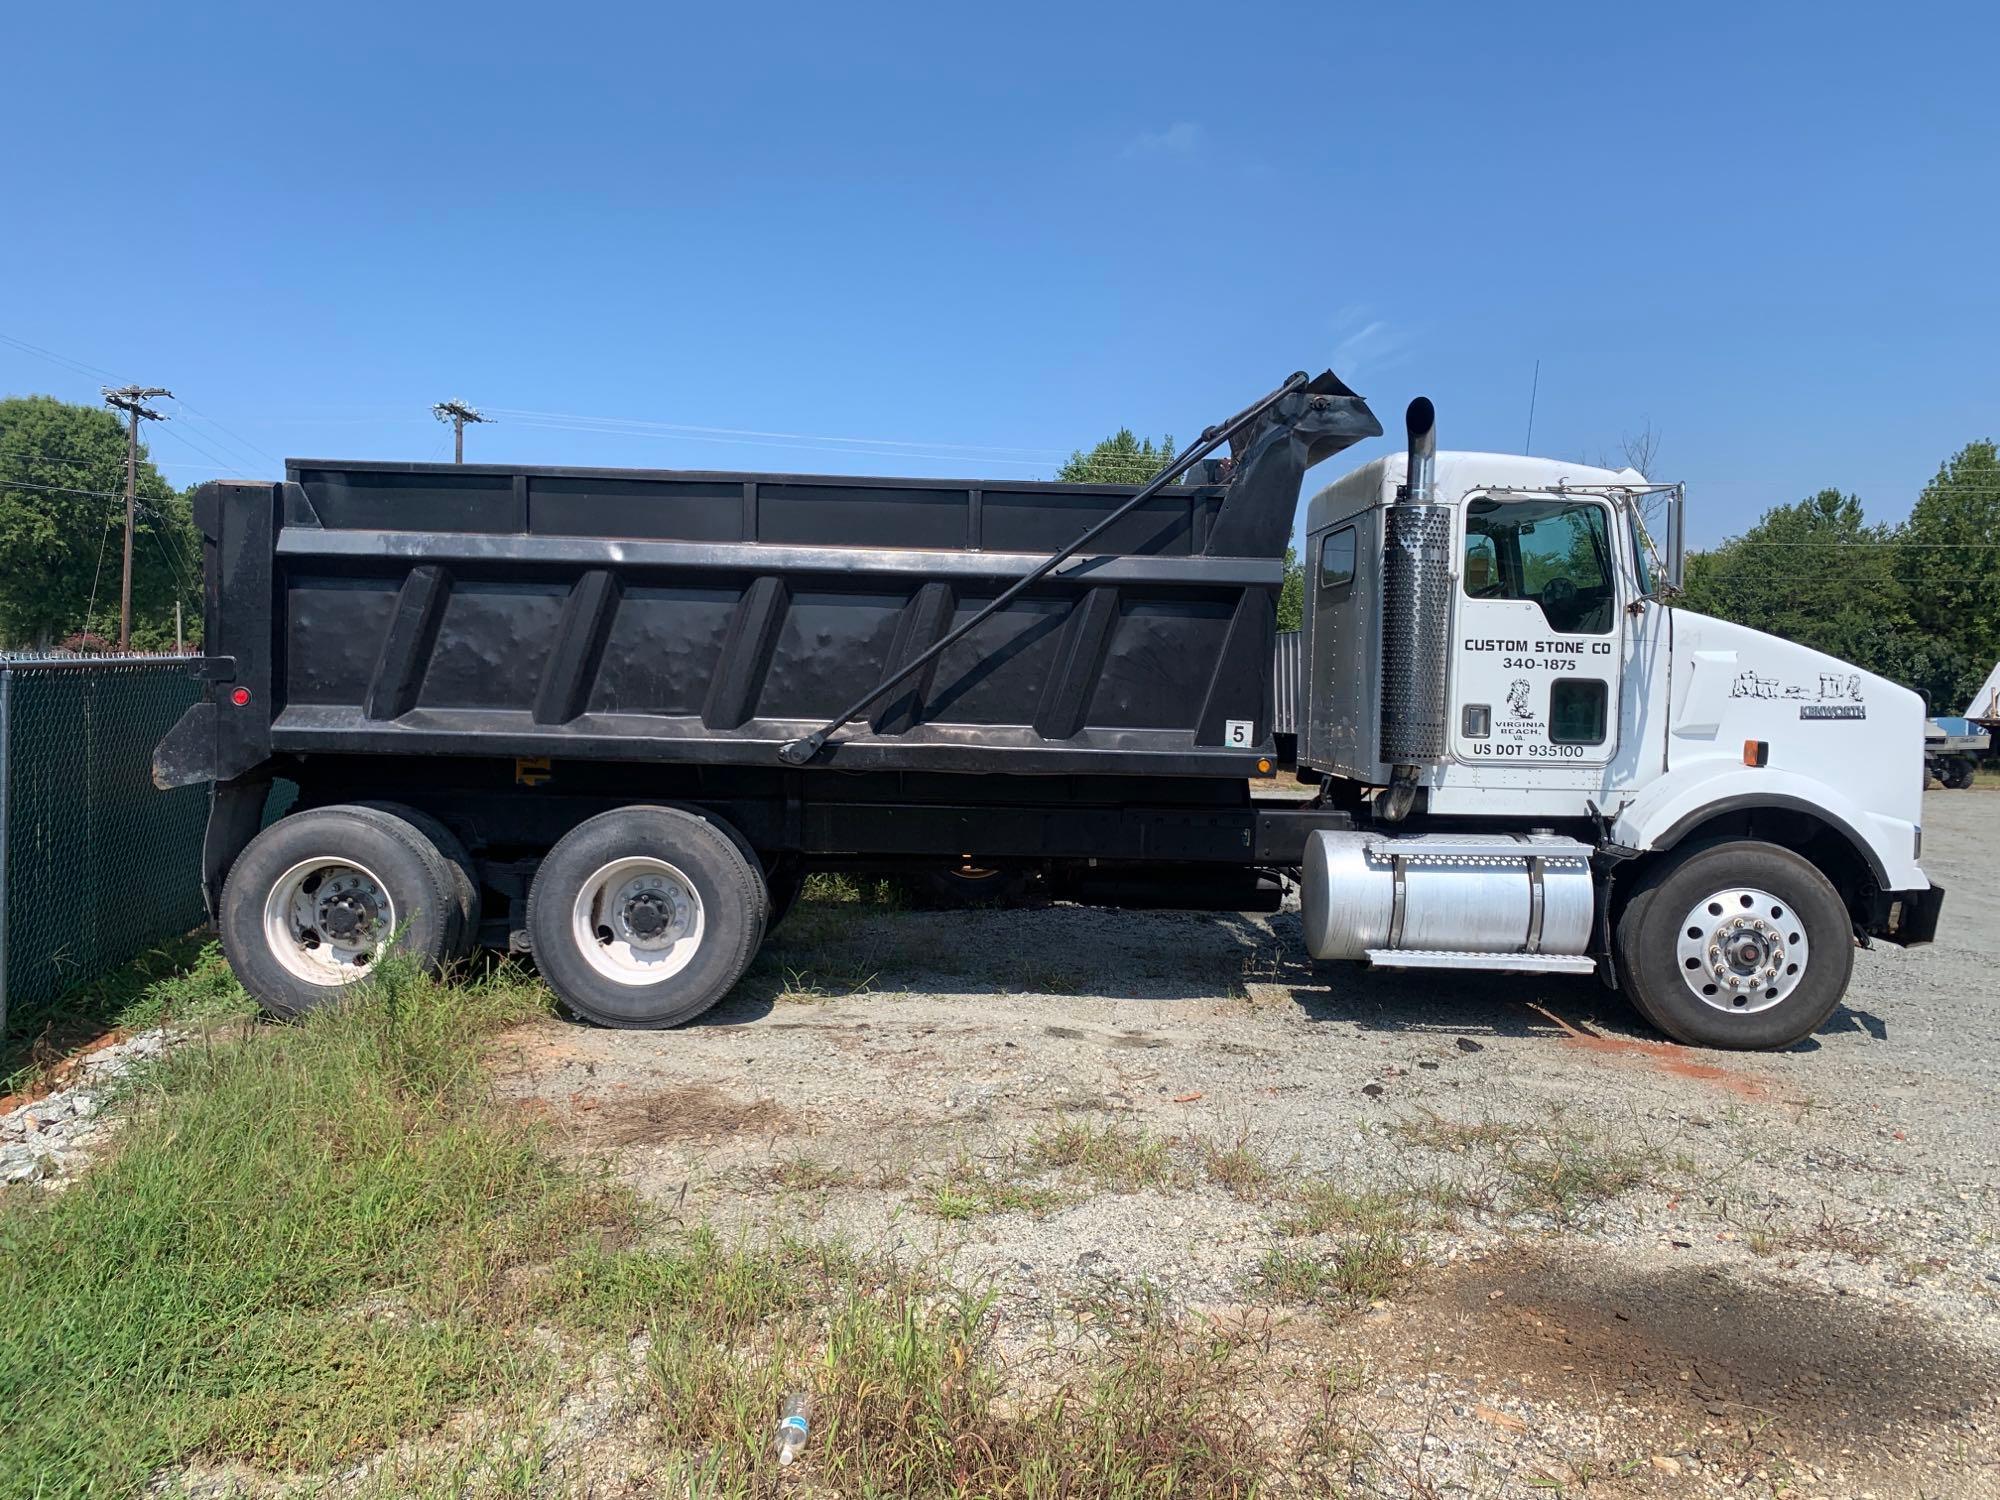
96	866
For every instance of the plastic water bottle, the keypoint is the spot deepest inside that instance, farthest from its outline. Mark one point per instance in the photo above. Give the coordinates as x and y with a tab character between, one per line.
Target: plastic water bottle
793	1420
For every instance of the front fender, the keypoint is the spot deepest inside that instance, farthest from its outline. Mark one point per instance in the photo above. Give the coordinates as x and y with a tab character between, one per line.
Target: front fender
1668	809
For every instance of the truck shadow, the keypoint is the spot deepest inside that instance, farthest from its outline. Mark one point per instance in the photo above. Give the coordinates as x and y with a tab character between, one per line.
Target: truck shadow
828	953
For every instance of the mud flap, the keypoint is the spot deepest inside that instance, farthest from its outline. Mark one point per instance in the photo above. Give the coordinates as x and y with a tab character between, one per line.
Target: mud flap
235	813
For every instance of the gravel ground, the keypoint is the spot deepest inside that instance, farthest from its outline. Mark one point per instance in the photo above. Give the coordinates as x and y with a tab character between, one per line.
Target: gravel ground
51	1137
1527	1246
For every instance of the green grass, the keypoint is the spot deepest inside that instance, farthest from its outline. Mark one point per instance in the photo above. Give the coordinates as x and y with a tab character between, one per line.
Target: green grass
1319	1206
315	1243
967	1191
1121	1160
185	980
1552	1168
292	1256
1361	1270
1237	1169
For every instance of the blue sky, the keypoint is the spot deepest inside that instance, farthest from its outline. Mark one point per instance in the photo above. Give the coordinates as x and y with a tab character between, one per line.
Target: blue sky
963	240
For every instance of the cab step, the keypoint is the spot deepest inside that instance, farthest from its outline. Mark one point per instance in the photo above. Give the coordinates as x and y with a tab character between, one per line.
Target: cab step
1511	963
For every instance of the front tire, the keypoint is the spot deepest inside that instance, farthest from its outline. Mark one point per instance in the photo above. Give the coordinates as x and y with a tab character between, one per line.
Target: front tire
1740	945
314	900
644	917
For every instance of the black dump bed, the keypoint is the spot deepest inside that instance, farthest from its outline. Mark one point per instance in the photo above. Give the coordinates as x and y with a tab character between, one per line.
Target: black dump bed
711	618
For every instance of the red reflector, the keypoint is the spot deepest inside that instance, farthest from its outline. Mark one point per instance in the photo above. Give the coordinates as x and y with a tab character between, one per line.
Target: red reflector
240	697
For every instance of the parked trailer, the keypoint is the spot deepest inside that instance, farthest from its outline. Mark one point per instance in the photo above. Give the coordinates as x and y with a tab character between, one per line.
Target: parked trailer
612	718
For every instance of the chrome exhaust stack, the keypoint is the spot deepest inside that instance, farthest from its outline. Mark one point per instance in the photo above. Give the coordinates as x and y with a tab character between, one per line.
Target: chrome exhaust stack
1416	618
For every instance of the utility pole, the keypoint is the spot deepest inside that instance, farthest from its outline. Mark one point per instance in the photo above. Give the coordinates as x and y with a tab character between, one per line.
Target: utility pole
458	413
132	399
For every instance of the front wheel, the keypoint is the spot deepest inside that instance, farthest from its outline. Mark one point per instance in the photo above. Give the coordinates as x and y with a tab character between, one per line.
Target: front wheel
645	916
1741	945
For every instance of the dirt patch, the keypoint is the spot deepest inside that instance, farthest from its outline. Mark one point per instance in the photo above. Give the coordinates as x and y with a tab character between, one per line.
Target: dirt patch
692	1112
1670	1058
1678	1061
1705	1361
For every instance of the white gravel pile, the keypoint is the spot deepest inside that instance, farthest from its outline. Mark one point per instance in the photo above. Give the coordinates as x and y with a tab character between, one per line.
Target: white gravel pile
50	1139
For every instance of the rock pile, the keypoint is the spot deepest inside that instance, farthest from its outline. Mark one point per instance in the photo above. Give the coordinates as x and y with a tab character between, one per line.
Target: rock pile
50	1139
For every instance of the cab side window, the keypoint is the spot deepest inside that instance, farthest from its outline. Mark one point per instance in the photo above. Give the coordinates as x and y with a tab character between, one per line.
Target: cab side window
1555	553
1336	559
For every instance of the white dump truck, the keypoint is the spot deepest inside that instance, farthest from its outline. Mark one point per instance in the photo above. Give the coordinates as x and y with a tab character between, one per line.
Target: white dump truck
1555	769
611	718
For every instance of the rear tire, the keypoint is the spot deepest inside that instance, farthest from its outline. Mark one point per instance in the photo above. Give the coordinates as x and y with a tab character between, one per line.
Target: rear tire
644	917
458	865
970	886
787	881
313	900
1957	773
1740	945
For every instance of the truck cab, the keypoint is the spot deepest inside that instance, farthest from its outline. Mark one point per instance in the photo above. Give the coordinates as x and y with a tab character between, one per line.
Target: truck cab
1560	695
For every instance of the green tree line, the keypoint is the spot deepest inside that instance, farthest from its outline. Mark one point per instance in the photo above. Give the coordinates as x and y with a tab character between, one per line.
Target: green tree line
1917	602
62	514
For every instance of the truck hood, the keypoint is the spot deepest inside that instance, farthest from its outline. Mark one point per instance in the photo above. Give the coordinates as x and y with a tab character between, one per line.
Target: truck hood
1823	718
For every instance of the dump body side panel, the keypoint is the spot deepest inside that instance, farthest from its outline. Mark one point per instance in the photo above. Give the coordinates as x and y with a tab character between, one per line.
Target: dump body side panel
416	609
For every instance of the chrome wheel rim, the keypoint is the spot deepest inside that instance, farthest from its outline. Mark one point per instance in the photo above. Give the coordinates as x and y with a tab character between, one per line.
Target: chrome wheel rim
638	920
1742	950
327	920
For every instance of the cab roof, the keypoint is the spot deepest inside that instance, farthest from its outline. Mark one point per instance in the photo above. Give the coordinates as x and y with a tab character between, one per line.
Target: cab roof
1458	472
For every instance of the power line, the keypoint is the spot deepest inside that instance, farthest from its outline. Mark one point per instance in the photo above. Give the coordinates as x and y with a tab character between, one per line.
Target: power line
750	432
90	609
62	359
208	453
59	489
241	442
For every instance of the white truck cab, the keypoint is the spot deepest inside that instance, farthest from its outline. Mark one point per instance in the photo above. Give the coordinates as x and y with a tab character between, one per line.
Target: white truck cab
1493	648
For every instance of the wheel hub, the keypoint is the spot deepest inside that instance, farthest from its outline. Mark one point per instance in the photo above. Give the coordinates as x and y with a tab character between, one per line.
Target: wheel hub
325	919
651	912
1742	950
349	915
637	920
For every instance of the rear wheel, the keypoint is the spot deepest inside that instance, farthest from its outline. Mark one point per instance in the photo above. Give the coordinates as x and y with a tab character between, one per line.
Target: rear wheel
970	884
314	901
787	881
645	916
458	865
1957	773
1742	945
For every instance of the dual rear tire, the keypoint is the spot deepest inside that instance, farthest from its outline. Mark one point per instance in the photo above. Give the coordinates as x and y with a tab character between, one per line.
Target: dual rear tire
315	901
646	916
640	917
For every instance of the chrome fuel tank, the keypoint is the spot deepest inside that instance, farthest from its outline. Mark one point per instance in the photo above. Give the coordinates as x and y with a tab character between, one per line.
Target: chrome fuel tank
1365	895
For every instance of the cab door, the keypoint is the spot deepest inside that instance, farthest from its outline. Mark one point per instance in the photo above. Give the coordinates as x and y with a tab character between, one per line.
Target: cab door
1539	616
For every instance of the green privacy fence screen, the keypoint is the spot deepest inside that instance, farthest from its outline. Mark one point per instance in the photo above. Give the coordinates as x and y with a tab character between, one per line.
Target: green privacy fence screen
95	864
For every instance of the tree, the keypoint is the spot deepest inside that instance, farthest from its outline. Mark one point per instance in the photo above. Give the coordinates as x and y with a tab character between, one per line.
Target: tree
62	504
1120	459
1123	458
1817	573
1949	562
1292	595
